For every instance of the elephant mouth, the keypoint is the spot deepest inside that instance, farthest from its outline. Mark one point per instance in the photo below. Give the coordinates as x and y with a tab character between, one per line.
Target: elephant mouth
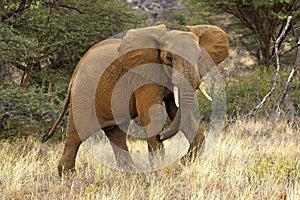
203	88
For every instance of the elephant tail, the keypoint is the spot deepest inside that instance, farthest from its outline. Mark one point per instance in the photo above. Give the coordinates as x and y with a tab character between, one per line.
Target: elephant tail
63	111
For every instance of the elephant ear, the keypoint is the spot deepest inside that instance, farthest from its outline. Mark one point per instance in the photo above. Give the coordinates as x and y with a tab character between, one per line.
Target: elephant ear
140	38
214	40
137	40
140	47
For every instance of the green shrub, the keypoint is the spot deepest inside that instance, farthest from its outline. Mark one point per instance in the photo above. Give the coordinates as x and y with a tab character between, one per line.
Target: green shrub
245	93
31	110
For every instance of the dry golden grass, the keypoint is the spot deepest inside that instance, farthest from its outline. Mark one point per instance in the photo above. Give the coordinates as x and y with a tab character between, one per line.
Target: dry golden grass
253	160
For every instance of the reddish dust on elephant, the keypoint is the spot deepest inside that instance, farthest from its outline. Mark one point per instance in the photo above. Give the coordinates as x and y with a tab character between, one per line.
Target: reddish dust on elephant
118	80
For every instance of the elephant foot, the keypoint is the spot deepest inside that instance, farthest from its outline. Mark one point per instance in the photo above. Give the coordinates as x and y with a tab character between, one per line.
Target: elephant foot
67	161
156	159
166	134
189	157
123	159
195	150
66	168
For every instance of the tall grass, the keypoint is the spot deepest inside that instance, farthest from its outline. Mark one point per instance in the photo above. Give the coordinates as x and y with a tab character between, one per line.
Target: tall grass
253	160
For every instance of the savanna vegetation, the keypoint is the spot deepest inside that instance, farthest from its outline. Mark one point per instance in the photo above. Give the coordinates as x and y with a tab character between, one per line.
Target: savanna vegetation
253	160
257	157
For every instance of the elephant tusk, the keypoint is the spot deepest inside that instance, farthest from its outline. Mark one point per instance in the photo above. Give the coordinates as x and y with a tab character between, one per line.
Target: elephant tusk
203	89
176	96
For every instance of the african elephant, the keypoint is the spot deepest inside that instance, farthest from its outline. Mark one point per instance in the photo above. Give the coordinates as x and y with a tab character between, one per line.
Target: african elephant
101	98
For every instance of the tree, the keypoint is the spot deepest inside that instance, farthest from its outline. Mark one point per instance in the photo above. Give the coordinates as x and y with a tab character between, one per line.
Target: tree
264	19
41	34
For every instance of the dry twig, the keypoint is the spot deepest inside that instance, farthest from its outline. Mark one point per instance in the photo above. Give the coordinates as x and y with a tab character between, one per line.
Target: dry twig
288	83
277	43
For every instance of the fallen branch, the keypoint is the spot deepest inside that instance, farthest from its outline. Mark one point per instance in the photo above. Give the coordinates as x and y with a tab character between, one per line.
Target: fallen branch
277	43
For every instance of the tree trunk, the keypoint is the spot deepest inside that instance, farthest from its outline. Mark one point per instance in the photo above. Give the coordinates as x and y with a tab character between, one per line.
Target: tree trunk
28	74
1	10
298	59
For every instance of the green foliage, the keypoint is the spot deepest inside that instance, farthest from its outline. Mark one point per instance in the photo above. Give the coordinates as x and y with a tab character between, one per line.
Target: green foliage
31	110
256	22
204	108
242	95
179	18
246	92
56	34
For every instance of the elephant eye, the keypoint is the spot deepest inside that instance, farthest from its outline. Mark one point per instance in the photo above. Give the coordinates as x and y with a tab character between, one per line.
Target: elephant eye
169	58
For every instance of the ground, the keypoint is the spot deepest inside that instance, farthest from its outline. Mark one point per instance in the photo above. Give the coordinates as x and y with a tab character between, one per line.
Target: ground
253	160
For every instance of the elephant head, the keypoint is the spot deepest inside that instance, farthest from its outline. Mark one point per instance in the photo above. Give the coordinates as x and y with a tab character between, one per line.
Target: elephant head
192	54
177	49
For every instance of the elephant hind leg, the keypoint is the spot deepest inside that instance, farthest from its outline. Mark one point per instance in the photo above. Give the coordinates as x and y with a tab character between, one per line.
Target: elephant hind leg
73	141
117	138
67	161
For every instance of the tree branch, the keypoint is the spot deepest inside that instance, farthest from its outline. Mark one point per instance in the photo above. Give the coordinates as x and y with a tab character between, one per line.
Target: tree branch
72	8
288	83
277	42
26	78
24	5
21	67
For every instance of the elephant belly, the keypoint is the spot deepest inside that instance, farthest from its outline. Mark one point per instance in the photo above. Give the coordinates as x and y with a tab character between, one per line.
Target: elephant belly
109	115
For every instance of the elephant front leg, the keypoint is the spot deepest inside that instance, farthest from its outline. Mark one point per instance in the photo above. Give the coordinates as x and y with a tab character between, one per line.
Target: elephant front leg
149	106
195	135
174	114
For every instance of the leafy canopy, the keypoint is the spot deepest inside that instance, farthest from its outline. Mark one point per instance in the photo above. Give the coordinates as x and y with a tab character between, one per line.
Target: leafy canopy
263	20
55	34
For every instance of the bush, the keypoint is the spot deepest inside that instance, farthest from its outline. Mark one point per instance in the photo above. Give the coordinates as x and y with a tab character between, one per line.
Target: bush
245	93
31	110
56	35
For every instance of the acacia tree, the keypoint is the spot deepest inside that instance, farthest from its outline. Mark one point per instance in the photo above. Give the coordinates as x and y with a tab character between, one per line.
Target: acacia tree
40	34
264	19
